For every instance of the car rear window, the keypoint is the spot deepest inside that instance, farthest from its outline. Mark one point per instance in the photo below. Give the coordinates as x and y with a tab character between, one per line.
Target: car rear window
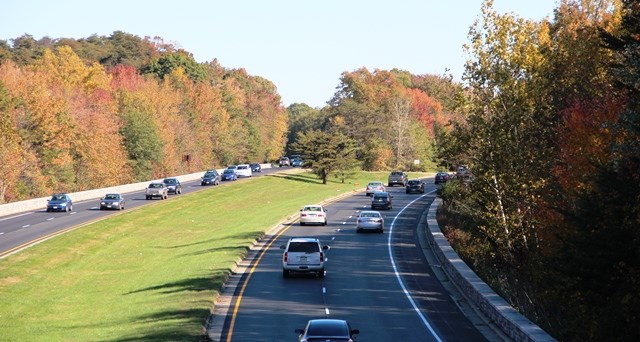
396	173
327	330
304	247
414	182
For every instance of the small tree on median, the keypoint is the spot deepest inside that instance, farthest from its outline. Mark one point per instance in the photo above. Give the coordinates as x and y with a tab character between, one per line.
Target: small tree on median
327	153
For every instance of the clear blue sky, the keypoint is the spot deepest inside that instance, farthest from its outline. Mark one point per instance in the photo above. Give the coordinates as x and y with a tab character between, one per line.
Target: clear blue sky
302	46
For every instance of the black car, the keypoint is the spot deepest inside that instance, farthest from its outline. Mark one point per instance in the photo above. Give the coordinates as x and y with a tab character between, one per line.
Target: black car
415	186
112	201
173	185
441	177
255	167
381	200
325	329
59	202
211	177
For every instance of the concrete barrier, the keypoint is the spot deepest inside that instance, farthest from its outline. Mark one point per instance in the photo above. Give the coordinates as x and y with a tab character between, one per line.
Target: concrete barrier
489	303
41	203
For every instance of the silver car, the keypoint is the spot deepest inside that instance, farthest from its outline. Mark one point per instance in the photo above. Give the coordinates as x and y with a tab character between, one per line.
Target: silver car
303	255
158	189
370	220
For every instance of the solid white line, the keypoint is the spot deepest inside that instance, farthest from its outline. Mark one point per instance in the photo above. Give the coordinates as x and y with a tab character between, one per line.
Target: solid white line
50	218
395	270
26	225
1	233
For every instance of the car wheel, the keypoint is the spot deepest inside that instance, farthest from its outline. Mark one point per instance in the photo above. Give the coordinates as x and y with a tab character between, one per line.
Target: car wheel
302	223
324	223
321	273
358	230
285	273
381	231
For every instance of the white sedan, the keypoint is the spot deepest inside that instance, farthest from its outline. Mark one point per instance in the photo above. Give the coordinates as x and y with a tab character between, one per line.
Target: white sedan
313	214
244	170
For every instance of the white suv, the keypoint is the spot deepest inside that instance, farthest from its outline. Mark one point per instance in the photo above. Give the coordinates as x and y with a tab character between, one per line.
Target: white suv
303	255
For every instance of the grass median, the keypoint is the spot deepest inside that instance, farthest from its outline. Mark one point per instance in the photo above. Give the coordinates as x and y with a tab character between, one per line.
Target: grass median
149	274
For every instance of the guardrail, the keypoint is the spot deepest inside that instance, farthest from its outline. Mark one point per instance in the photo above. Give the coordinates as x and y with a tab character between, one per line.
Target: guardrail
499	311
41	203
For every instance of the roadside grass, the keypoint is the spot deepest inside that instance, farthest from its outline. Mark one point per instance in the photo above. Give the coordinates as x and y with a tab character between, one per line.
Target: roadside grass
150	274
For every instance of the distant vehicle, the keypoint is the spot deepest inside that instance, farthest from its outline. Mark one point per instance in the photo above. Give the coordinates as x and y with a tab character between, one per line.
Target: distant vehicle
59	202
173	185
255	167
229	175
462	170
370	220
284	161
441	177
313	214
211	177
112	201
381	200
295	156
326	329
157	189
397	177
232	167
296	162
374	187
244	170
303	255
415	185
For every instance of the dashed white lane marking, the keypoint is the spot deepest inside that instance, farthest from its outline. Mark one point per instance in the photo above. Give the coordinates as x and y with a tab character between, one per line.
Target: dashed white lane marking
73	213
26	226
350	216
326	311
1	233
345	222
94	208
324	290
333	238
50	218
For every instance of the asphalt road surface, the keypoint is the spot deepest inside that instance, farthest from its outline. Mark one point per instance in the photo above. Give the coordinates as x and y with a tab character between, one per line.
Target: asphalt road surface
380	283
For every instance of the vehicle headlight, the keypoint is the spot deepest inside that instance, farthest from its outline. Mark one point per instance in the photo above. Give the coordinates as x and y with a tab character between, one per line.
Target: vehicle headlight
103	203
63	204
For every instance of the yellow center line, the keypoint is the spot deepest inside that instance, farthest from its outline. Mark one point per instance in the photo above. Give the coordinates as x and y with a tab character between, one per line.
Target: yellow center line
246	282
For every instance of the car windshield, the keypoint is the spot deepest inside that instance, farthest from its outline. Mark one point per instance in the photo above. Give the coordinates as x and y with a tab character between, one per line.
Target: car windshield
210	174
303	247
312	209
111	196
57	197
155	185
414	182
242	167
170	181
375	184
228	171
396	173
383	196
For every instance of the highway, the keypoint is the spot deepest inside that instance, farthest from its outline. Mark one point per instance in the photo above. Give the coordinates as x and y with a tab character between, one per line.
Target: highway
21	230
381	283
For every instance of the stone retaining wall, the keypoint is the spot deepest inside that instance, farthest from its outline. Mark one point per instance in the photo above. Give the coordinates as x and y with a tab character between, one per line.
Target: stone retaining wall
490	304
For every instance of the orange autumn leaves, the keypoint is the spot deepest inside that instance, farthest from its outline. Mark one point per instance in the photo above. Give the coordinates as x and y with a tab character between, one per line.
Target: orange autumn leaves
63	124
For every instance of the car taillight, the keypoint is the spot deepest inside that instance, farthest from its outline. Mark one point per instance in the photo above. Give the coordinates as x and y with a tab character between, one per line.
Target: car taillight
285	257
321	257
303	215
378	220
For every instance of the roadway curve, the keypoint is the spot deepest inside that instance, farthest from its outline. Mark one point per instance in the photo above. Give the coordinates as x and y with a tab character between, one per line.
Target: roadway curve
23	230
381	283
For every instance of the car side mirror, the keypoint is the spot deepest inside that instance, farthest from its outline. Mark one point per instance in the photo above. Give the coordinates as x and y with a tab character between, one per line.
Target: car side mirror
325	248
283	247
299	331
355	331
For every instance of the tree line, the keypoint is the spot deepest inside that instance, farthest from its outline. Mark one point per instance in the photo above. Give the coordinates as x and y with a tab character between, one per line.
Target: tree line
551	217
108	110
